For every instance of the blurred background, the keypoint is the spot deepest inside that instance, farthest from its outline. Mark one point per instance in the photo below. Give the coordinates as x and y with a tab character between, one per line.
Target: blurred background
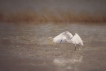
53	10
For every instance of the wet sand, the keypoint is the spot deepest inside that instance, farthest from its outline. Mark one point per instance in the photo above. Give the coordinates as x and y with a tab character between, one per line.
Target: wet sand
29	47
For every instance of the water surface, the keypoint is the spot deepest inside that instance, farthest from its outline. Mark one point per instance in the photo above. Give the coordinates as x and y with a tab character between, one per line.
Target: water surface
29	47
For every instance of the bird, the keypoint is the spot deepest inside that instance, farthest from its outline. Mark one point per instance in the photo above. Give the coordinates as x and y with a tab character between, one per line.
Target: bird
69	38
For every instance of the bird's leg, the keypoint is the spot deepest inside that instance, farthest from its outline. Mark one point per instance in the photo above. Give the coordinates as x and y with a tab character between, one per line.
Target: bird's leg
75	47
80	47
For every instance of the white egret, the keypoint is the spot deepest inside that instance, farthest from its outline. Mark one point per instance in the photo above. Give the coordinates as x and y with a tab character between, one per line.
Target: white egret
69	38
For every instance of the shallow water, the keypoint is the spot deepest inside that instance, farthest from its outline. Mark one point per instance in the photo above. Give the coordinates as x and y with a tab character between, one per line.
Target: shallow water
29	47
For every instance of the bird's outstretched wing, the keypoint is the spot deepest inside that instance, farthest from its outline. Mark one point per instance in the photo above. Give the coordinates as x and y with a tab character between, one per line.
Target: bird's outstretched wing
60	38
63	37
77	40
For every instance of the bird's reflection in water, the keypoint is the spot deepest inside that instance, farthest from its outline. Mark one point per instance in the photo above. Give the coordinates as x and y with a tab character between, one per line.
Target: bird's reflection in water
65	64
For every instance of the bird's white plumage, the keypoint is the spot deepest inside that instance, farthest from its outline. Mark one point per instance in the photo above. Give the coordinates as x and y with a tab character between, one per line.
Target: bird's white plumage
76	40
62	37
59	37
69	34
68	37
